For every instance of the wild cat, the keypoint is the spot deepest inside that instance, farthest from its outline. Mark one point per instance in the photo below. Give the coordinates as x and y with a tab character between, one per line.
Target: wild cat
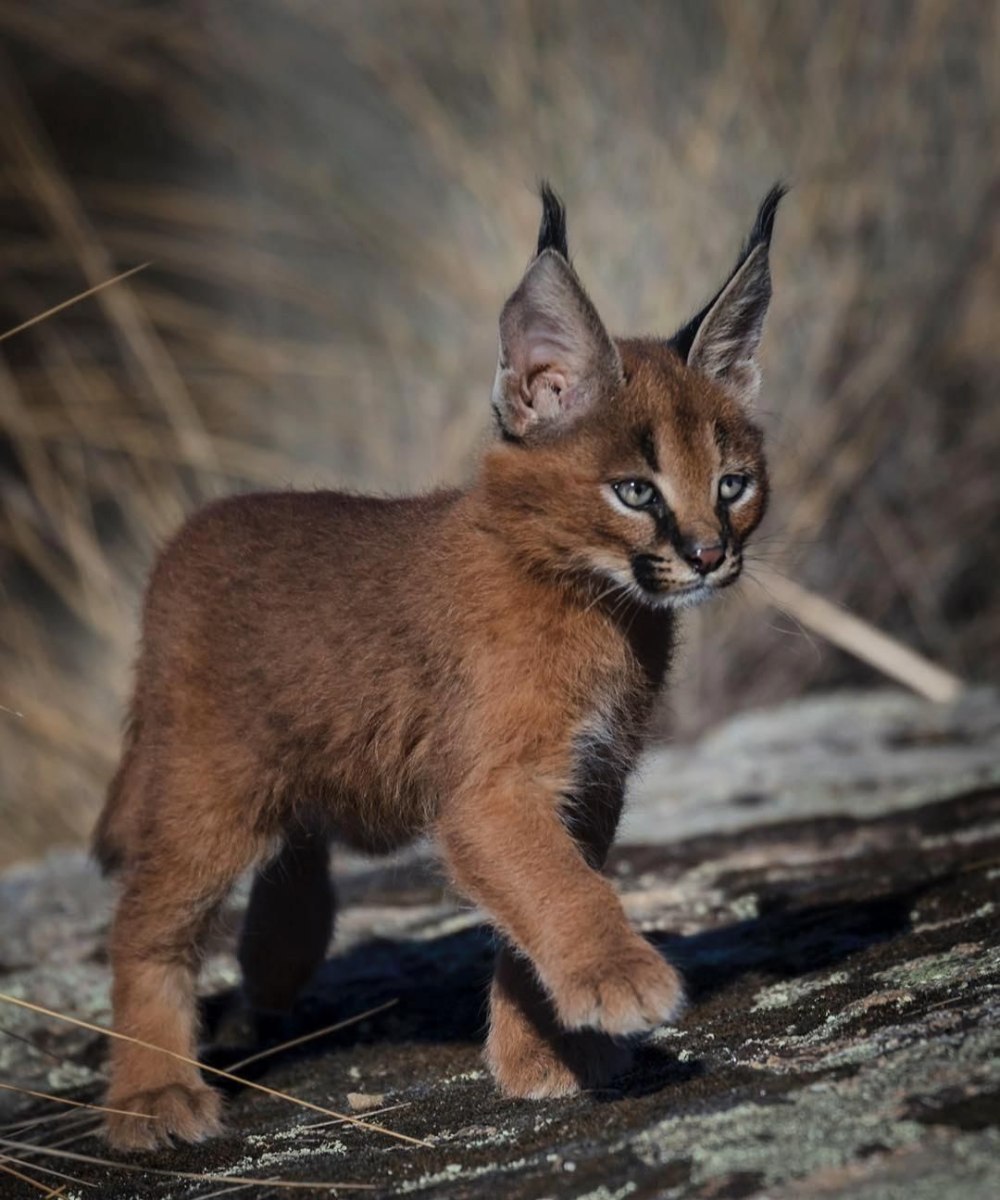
479	663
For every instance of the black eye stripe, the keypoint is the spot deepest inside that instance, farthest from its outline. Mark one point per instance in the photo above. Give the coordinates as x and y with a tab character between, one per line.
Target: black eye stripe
666	526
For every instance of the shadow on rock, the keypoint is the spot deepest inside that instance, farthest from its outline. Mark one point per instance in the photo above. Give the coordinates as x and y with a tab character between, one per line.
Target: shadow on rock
785	942
440	984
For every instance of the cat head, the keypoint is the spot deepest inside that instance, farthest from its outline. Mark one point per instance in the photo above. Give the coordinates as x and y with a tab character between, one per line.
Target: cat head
635	461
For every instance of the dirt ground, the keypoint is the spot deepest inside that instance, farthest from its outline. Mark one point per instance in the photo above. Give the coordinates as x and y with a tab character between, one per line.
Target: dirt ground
826	874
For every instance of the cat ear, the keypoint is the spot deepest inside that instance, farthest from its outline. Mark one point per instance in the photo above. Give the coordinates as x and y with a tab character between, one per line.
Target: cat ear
556	358
722	340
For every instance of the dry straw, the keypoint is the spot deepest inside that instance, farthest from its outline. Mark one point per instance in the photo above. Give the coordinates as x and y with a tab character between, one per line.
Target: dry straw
10	1087
94	1160
41	1187
324	303
249	1083
58	308
311	1037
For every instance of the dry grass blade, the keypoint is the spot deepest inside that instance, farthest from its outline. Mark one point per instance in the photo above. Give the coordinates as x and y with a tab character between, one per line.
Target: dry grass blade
41	1187
10	1087
861	639
37	172
19	1037
229	1191
31	1122
309	1037
249	1083
49	1171
80	1135
94	1160
57	308
375	1112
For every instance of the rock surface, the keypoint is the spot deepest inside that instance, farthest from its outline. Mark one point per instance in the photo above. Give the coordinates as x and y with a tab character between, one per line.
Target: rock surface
827	876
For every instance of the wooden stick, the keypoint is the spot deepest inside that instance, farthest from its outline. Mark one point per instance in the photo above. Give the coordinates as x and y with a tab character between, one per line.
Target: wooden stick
859	638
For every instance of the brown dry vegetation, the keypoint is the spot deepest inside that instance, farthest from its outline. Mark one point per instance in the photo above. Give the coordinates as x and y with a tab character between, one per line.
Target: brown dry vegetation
336	199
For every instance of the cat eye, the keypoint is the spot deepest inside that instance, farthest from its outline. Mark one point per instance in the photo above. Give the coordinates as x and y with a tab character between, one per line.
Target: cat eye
636	493
731	487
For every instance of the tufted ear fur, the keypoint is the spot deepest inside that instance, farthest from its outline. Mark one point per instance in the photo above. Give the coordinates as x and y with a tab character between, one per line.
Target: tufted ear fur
556	358
722	340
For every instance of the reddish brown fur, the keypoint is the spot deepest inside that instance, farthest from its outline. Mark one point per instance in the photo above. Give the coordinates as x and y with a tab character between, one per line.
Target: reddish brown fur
318	665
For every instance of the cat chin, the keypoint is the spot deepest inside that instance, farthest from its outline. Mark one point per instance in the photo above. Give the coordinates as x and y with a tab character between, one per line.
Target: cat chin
688	598
692	595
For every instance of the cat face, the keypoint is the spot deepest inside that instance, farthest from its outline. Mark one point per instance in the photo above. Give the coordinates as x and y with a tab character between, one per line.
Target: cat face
632	461
656	490
683	481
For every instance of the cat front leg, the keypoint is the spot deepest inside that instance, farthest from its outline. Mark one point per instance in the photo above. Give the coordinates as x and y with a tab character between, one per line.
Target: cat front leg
510	852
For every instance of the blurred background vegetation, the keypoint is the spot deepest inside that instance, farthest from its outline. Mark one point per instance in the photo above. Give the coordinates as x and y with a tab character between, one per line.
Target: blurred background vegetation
336	199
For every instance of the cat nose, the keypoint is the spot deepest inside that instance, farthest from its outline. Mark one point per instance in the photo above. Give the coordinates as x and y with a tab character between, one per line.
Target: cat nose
705	557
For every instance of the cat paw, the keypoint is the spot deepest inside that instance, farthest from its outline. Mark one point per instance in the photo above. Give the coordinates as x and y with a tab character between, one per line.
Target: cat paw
176	1112
526	1069
629	991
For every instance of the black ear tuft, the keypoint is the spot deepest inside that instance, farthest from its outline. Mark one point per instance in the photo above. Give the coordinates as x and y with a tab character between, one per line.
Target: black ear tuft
763	226
760	235
552	231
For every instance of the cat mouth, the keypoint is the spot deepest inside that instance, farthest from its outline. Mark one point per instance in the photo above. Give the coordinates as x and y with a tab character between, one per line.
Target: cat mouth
645	584
687	595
